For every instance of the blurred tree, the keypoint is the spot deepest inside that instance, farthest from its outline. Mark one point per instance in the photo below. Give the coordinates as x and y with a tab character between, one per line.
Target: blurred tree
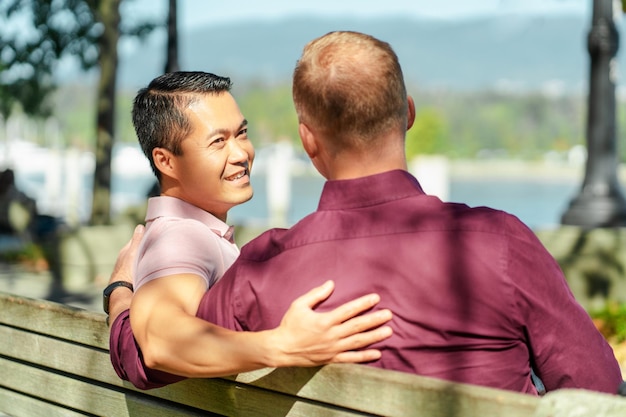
108	13
428	135
49	31
271	112
29	51
171	63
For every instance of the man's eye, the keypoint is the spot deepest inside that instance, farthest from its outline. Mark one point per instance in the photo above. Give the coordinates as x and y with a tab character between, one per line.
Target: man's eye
217	142
243	132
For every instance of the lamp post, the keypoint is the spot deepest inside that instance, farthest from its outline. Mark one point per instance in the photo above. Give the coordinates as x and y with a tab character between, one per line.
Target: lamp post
600	202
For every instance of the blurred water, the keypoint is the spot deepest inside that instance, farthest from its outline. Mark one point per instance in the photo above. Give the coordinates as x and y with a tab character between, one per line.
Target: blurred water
538	203
63	186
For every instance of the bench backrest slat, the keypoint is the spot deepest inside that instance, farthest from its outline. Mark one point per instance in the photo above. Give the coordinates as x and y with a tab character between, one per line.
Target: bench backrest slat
23	405
54	361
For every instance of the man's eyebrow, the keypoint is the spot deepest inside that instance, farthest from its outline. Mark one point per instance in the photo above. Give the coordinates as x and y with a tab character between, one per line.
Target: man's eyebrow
244	123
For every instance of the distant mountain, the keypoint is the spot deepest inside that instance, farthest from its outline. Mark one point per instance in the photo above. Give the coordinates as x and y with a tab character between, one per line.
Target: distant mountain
515	52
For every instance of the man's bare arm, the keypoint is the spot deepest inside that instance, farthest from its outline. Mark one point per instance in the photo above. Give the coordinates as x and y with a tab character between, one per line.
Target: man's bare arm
173	340
304	338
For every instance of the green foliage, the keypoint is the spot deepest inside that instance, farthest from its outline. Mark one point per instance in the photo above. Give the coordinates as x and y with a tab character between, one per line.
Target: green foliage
30	253
428	135
520	125
49	32
56	29
611	321
270	112
457	125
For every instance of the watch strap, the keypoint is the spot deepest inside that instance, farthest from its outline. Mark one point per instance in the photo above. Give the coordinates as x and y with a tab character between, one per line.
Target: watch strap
106	294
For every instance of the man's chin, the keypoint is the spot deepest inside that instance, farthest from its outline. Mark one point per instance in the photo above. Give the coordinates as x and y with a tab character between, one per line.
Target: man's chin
244	198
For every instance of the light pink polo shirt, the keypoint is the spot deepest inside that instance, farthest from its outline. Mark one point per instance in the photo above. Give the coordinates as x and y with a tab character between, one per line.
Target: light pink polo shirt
181	238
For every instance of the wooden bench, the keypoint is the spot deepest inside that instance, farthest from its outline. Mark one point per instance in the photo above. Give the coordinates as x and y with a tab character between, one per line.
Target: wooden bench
54	362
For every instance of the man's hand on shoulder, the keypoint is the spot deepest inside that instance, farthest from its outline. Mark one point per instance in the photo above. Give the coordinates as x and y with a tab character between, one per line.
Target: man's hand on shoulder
307	338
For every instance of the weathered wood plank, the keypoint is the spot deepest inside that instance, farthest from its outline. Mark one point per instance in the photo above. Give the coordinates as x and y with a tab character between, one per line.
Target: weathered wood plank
66	392
236	399
18	405
55	319
391	393
217	395
336	386
228	399
57	354
54	361
579	403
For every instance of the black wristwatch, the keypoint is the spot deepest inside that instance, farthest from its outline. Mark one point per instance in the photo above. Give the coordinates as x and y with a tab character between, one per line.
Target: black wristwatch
106	294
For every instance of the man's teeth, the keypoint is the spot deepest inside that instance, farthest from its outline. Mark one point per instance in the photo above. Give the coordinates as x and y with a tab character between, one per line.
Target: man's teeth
236	177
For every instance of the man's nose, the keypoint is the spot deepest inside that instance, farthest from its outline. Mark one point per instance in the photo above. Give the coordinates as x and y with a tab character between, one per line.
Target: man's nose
238	153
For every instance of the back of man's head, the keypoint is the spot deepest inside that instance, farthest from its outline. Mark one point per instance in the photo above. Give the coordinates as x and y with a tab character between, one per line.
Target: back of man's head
158	111
350	86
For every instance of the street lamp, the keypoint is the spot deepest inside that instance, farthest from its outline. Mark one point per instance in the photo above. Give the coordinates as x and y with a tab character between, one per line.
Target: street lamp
600	202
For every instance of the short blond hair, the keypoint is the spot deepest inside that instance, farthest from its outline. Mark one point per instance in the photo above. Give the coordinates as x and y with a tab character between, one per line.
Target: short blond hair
350	86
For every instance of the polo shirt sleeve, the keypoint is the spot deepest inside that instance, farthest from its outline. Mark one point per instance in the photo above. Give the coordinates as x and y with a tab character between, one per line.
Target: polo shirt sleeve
566	349
179	246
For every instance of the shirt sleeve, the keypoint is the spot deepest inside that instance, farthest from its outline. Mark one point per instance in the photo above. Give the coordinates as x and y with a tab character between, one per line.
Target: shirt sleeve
127	359
567	351
179	246
221	304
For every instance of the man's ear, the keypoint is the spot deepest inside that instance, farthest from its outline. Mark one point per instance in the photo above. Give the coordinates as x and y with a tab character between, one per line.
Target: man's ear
164	161
411	112
308	140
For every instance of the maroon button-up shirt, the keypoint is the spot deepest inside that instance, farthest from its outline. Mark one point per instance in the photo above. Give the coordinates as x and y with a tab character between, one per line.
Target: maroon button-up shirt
476	297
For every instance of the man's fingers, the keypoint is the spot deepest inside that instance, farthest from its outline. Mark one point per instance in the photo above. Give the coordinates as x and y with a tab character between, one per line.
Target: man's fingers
316	295
132	245
364	339
350	346
365	322
122	268
137	236
353	308
357	357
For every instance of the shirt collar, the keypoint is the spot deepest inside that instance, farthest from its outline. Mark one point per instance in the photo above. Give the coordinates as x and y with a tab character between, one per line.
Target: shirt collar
174	207
370	190
228	235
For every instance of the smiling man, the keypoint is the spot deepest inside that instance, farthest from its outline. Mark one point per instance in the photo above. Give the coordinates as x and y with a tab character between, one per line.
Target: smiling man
195	137
203	170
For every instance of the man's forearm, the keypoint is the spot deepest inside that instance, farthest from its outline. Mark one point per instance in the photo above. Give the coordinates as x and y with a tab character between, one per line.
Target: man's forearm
176	342
173	341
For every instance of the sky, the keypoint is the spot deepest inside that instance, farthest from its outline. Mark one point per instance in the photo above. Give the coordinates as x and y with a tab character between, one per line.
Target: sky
198	12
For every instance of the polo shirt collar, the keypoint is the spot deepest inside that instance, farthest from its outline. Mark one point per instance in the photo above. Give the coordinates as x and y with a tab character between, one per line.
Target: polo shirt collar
175	207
